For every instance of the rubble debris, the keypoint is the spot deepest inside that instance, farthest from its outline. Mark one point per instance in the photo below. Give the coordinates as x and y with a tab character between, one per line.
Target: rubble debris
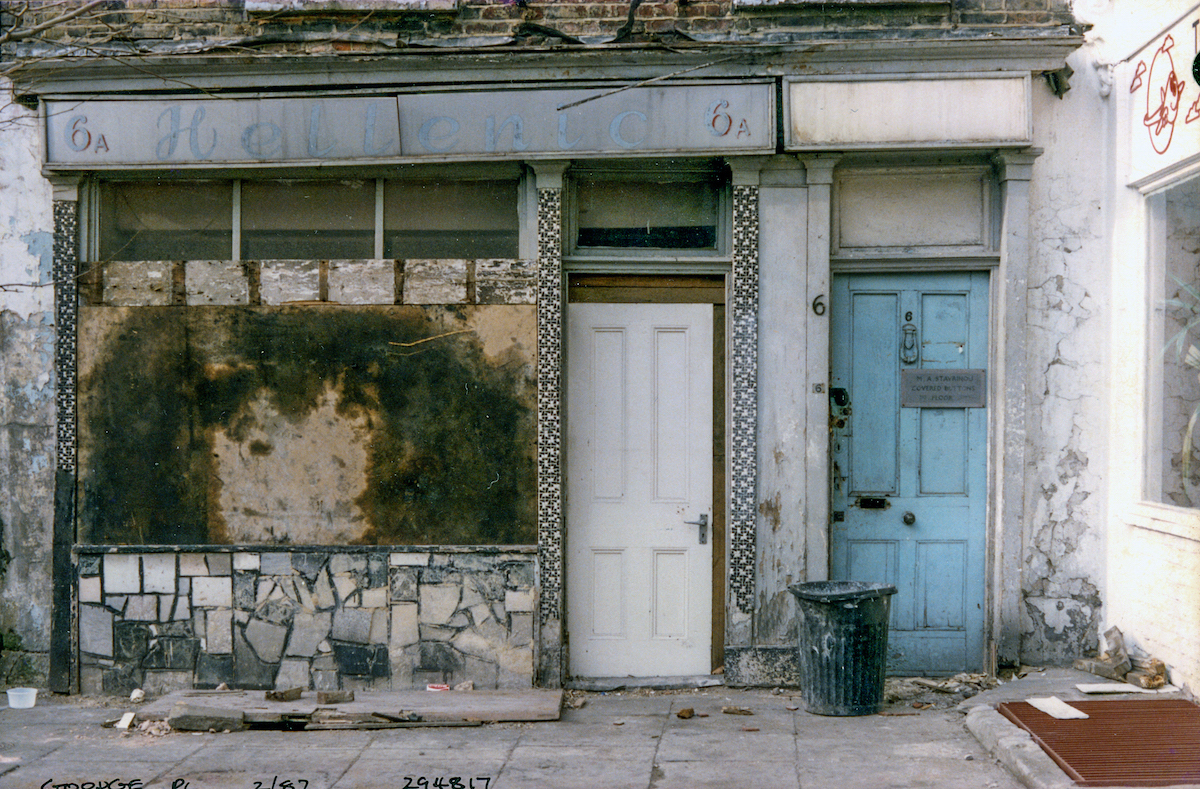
1145	679
1109	688
1056	708
737	711
685	713
334	696
467	685
154	728
1113	663
126	720
222	686
749	728
291	694
195	717
137	696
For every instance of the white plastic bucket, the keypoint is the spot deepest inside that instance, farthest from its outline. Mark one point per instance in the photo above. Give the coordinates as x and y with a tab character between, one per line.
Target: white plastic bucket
22	698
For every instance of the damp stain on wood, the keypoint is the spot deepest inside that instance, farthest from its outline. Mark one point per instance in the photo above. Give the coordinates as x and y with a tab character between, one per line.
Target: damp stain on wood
307	425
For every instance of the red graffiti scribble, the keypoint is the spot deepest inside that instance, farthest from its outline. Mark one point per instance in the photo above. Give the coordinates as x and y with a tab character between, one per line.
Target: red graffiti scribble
1138	73
1193	113
1163	92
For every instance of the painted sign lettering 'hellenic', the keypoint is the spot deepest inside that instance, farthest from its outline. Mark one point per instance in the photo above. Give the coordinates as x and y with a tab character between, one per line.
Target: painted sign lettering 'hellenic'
465	125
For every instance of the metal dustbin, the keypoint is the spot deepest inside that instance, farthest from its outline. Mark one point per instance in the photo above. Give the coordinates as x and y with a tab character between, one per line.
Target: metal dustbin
843	645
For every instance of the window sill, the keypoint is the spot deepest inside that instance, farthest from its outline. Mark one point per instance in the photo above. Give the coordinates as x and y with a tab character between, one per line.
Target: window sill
1182	522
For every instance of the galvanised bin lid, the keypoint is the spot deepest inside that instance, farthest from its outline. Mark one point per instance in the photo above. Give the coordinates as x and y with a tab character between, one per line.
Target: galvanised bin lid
839	591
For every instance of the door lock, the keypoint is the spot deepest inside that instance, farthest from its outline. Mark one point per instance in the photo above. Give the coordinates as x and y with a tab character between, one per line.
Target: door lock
703	524
909	519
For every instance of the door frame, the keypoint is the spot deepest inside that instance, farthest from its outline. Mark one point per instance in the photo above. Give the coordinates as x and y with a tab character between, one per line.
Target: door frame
627	288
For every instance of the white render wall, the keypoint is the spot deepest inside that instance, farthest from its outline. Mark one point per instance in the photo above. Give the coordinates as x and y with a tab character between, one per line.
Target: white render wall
27	409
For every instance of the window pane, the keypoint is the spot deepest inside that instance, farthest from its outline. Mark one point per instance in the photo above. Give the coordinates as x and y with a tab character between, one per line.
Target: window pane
1181	359
450	219
615	213
308	220
166	221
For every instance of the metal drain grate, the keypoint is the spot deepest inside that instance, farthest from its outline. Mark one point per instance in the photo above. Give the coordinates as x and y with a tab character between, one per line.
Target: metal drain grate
1124	742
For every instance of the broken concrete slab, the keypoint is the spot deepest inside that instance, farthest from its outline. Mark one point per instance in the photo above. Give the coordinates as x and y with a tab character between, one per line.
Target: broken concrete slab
186	716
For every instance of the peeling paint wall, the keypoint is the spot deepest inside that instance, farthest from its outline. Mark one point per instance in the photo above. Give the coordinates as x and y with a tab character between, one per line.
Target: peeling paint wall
27	409
1063	561
397	425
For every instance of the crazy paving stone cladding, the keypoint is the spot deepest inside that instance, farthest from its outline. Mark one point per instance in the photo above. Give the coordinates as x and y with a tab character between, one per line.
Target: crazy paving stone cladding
321	619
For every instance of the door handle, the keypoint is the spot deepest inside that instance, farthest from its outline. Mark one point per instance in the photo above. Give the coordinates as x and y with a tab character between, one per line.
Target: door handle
909	519
703	524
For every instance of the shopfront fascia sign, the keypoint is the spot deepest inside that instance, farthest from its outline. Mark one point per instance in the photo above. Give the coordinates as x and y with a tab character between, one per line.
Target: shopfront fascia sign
528	124
1163	101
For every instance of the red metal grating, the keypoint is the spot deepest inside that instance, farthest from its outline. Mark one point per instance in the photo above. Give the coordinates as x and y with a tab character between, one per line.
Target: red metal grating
1124	742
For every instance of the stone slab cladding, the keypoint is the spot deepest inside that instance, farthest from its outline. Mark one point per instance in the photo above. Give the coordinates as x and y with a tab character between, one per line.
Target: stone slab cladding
315	618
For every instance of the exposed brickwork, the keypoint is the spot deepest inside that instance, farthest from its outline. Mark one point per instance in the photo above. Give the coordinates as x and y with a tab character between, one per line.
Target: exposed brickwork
166	23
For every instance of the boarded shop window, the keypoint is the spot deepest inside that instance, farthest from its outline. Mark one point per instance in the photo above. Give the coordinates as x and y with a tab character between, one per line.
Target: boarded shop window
664	214
308	219
450	219
1177	242
142	220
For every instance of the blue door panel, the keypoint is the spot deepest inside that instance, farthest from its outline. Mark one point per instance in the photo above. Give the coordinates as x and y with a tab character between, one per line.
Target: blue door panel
908	485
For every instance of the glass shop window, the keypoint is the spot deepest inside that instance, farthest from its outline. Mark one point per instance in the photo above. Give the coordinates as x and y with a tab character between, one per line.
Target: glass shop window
674	214
1177	247
450	219
147	220
308	219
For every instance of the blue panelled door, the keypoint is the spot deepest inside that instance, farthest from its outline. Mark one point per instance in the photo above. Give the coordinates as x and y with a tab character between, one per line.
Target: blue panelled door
909	484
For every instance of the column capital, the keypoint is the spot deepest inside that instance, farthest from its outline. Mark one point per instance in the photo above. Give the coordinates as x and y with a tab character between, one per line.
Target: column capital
820	167
66	187
549	174
1015	165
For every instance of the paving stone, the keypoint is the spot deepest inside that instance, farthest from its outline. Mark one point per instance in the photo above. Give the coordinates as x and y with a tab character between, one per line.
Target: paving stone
505	282
367	661
279	611
362	281
131	641
309	564
346	586
117	602
158	572
245	561
122	573
95	630
89	564
438	602
91	680
282	281
377	570
293	674
174	630
440	281
347	563
325	680
160	683
192	564
408	559
439	656
403	584
219	631
518	601
172	653
142	607
212	670
248	671
350	624
405	631
374	598
212	592
182	609
89	590
219	563
520	577
520	629
143	283
121	680
275	563
267	639
243	590
216	282
472	643
186	716
379	625
322	593
308	631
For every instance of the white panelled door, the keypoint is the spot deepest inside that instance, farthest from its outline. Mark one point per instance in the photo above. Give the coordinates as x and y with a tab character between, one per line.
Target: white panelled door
639	468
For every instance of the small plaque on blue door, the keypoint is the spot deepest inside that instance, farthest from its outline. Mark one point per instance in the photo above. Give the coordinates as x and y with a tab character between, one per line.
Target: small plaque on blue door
942	388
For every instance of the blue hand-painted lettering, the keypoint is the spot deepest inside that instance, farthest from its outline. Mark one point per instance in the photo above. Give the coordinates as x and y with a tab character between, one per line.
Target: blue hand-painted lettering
614	129
433	143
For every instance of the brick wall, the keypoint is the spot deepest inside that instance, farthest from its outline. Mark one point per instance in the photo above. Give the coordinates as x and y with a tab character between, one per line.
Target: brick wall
538	22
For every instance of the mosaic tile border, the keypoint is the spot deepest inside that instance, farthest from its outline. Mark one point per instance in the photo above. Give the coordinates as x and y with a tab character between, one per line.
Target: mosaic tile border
744	405
549	461
65	270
